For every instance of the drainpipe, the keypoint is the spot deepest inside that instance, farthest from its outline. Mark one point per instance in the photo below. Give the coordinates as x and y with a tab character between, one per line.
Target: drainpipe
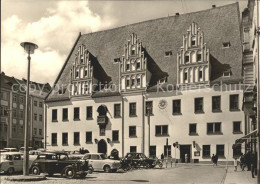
143	124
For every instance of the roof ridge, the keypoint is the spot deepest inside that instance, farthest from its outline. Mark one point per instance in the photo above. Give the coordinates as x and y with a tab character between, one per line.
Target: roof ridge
161	18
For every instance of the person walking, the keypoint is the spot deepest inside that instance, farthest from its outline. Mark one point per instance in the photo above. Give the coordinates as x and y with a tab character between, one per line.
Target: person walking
216	159
213	159
162	157
253	164
235	164
242	162
186	158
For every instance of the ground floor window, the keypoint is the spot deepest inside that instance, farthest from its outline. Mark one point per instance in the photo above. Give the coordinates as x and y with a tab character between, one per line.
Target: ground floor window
88	137
220	150
206	150
152	151
54	139
169	150
132	149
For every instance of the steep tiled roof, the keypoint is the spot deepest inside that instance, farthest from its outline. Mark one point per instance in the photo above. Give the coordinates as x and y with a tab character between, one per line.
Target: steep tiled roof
221	24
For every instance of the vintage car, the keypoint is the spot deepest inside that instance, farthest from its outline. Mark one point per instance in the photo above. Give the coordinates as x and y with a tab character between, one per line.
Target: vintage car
58	162
100	162
11	149
140	160
11	162
22	149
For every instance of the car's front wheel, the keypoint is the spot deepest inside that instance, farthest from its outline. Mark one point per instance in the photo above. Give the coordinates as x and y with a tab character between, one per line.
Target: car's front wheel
70	173
36	170
107	169
10	171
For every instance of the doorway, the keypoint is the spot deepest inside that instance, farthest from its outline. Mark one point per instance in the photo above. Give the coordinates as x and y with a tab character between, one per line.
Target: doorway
102	146
185	149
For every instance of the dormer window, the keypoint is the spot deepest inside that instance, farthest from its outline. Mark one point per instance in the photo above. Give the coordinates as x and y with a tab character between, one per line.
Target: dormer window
168	53
138	65
127	66
62	91
81	60
227	73
193	42
187	59
133	51
226	44
86	72
77	74
132	82
116	60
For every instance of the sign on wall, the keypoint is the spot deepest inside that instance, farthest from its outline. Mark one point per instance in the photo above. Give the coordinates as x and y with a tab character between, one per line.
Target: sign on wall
196	153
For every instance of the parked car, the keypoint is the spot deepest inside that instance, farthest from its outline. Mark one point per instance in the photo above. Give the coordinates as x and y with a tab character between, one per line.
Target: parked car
100	162
11	149
22	149
58	162
11	162
2	150
140	160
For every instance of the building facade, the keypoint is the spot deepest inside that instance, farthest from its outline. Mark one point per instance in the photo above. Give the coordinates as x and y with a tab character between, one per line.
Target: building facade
167	86
13	92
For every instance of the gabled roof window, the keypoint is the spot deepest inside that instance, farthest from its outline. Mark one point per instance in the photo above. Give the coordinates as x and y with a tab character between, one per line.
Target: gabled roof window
227	73
226	44
116	60
168	53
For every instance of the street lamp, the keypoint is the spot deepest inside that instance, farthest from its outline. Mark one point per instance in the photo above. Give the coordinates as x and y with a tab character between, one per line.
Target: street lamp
29	49
149	108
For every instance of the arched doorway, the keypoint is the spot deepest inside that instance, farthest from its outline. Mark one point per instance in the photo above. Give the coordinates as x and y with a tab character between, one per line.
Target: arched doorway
102	146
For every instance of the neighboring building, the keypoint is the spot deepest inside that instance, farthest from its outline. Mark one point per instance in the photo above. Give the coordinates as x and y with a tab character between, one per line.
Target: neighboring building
13	99
186	68
250	28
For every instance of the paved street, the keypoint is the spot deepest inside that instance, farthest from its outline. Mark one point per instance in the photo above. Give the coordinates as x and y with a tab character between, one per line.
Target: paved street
181	174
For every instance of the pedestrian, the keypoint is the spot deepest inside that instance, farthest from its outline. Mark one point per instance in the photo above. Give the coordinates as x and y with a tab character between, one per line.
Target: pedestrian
235	164
242	162
213	159
253	164
186	158
162	157
216	159
248	160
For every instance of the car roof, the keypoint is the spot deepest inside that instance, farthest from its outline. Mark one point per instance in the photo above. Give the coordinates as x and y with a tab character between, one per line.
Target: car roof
11	148
94	154
11	153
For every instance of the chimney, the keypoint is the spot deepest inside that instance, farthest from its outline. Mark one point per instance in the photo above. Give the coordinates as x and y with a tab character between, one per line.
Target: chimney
177	14
213	6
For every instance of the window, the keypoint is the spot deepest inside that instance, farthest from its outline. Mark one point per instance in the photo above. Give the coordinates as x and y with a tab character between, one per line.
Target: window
133	82
14	129
21	114
233	102
35	117
127	83
127	66
161	130
40	104
152	151
14	113
138	65
35	131
198	105
132	149
220	150
116	60
64	139
88	137
86	87
132	109
187	59
35	103
54	139
216	103
168	53
86	72
21	100
133	51
227	73
193	42
117	108
237	150
76	138
65	114
40	131
150	105
198	57
200	74
102	130
206	150
226	44
14	98
132	131
176	106
214	128
3	111
76	113
115	135
186	76
237	127
89	112
167	148
77	74
193	129
40	117
54	115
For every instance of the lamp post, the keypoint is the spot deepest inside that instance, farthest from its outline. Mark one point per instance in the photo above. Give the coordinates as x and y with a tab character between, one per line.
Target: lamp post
29	49
149	108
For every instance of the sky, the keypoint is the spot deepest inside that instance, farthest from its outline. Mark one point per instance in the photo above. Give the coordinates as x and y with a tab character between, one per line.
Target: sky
55	24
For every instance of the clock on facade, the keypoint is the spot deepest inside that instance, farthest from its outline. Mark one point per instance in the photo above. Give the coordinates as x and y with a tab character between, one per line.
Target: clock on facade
162	104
